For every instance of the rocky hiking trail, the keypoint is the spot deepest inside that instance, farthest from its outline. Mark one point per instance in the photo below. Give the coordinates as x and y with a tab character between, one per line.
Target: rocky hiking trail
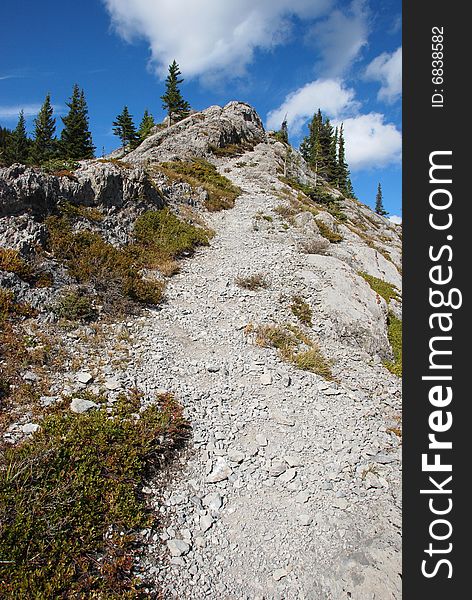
290	486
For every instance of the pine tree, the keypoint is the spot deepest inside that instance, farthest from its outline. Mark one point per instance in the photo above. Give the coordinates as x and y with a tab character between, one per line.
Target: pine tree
19	143
5	146
172	101
343	169
328	160
45	143
333	158
76	139
379	207
125	129
147	123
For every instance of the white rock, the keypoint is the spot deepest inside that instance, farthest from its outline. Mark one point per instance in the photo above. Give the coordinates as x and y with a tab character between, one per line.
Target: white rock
178	547
220	471
213	501
29	428
80	405
279	574
266	379
277	468
205	523
83	377
305	520
112	384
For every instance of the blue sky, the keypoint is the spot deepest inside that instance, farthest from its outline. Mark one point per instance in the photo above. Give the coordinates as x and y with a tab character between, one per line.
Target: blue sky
281	56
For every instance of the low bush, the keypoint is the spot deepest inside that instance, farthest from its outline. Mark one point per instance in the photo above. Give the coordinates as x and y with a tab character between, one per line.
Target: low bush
90	213
74	306
394	329
314	246
200	173
58	165
113	272
384	289
257	281
70	501
332	236
12	262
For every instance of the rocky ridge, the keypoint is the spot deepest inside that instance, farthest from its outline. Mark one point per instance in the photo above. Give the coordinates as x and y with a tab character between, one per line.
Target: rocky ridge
290	487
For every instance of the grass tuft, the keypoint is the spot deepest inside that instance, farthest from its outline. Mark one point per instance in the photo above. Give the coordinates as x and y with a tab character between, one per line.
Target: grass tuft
301	309
394	330
329	234
384	289
257	281
294	346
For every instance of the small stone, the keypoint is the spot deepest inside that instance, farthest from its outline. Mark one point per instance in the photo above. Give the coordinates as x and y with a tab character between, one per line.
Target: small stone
341	503
178	547
46	401
236	456
266	379
261	440
279	574
286	380
220	471
288	476
293	460
302	497
305	520
205	523
277	468
80	405
30	376
83	377
200	542
112	384
213	501
29	428
212	368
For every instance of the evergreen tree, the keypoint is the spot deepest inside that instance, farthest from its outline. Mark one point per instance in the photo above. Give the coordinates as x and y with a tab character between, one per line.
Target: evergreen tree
172	101
328	159
76	139
333	158
45	143
19	143
310	147
125	129
5	146
342	167
379	207
147	123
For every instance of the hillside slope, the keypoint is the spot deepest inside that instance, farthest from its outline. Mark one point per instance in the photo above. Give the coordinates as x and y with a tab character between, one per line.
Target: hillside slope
277	339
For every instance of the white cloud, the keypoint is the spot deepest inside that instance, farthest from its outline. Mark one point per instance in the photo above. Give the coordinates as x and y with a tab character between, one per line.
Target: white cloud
395	219
387	68
12	112
329	95
209	37
370	142
341	37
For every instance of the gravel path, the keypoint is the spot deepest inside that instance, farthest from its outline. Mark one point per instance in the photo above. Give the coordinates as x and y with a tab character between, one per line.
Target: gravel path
291	488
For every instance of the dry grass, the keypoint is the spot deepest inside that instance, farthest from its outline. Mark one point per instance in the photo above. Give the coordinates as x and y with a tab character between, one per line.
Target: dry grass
257	281
314	246
328	233
293	346
301	309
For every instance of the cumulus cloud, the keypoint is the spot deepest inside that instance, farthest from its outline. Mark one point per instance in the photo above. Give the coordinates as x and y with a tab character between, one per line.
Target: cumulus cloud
330	95
387	69
370	142
210	36
395	219
340	38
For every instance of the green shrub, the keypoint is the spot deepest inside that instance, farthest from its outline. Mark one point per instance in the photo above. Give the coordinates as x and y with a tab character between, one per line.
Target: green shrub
74	306
328	233
395	338
112	271
60	165
90	213
386	290
12	262
70	501
198	172
164	233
